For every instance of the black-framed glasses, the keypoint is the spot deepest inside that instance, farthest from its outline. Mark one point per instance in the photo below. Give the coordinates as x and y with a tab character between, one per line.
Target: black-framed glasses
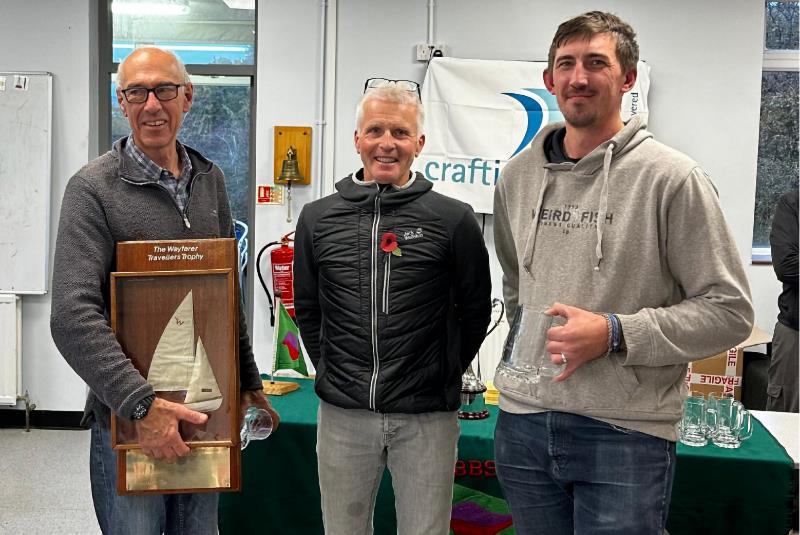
164	92
406	85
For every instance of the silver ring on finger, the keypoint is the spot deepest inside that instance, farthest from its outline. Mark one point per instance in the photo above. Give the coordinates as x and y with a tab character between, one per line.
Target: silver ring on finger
563	358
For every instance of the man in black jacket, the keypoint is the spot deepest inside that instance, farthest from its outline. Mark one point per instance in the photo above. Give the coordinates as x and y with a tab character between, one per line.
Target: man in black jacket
392	293
782	390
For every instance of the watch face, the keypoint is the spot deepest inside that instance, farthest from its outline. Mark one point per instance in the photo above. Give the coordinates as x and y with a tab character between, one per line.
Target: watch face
139	411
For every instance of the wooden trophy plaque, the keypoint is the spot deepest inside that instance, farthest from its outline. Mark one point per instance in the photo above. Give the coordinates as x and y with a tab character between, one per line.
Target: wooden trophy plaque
175	312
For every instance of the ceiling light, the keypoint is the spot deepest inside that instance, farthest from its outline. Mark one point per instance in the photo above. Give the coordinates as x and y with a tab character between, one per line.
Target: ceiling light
164	9
240	4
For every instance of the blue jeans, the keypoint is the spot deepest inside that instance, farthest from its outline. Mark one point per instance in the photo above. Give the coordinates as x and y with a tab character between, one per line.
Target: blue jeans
171	514
563	473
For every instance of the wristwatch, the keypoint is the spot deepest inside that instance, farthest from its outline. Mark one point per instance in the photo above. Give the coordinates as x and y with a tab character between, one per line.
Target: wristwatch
142	408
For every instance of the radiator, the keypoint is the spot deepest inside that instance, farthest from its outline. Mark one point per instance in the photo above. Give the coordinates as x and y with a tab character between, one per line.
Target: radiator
491	350
10	349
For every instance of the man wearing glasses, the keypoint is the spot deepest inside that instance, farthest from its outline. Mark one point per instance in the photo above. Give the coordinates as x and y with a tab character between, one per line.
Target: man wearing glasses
148	187
392	296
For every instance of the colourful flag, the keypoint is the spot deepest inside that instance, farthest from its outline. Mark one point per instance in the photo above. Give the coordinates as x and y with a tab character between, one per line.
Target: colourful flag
288	355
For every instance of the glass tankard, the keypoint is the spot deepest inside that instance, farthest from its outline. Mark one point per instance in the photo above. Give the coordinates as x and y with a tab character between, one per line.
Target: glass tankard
695	422
525	357
733	422
257	425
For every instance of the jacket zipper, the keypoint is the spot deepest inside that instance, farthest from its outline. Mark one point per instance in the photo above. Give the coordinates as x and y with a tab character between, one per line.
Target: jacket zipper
189	198
386	274
183	214
374	302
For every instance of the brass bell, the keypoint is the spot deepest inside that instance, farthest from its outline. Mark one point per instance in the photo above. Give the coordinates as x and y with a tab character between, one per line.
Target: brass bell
290	171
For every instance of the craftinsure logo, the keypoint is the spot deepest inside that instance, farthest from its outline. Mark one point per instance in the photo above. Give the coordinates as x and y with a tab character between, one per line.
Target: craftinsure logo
539	105
540	108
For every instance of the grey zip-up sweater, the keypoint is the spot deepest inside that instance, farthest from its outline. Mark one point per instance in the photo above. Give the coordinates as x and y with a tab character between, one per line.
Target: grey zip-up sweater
633	228
110	200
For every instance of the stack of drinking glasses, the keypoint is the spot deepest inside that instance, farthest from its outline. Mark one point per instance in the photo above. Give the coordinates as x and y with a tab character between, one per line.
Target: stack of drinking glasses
715	417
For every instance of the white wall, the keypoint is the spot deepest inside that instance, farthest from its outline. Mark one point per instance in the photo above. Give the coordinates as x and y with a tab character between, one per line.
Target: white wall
54	36
705	58
705	93
287	94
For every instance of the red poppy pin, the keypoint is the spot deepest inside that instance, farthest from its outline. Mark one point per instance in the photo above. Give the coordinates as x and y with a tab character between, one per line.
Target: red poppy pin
389	244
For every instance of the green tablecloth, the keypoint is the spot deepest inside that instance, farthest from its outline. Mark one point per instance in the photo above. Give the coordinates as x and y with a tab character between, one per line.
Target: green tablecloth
723	491
743	491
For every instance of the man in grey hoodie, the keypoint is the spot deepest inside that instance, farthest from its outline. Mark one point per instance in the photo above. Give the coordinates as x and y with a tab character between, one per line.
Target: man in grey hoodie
148	187
624	238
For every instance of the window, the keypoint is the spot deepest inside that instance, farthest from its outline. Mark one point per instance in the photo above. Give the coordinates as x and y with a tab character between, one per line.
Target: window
778	138
216	41
218	125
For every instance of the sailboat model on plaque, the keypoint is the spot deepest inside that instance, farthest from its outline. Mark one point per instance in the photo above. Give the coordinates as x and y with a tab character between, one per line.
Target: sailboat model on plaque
174	310
180	362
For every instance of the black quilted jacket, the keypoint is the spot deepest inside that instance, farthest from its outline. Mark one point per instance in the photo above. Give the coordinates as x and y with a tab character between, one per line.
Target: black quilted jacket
388	332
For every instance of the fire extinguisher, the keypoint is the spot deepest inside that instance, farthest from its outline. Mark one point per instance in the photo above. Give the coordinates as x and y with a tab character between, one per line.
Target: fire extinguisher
282	275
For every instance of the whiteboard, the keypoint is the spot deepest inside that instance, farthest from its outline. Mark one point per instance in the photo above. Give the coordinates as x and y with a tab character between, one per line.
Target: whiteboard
25	133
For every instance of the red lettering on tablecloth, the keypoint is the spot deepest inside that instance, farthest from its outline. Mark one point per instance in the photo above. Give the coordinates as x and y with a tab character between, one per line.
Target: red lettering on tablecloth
475	468
490	469
460	468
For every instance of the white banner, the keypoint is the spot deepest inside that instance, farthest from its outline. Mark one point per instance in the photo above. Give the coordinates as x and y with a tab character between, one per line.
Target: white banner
480	113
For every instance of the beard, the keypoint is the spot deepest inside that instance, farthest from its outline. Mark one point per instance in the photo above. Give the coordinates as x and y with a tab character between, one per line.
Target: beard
579	117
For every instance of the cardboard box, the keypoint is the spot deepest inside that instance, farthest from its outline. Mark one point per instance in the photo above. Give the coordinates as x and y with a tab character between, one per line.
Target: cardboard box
722	373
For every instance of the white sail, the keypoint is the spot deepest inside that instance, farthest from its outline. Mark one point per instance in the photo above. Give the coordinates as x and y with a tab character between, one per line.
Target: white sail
179	365
173	359
203	393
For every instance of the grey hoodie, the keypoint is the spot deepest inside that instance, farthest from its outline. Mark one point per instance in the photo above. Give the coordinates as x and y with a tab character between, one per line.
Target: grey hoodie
634	228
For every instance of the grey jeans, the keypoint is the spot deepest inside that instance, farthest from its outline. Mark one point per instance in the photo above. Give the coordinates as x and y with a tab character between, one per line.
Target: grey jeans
353	448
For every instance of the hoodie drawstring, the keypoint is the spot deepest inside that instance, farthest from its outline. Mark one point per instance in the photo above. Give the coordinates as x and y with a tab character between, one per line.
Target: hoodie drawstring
531	243
603	208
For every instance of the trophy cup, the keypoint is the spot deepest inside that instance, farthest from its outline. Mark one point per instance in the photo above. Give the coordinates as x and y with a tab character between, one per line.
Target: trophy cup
473	405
